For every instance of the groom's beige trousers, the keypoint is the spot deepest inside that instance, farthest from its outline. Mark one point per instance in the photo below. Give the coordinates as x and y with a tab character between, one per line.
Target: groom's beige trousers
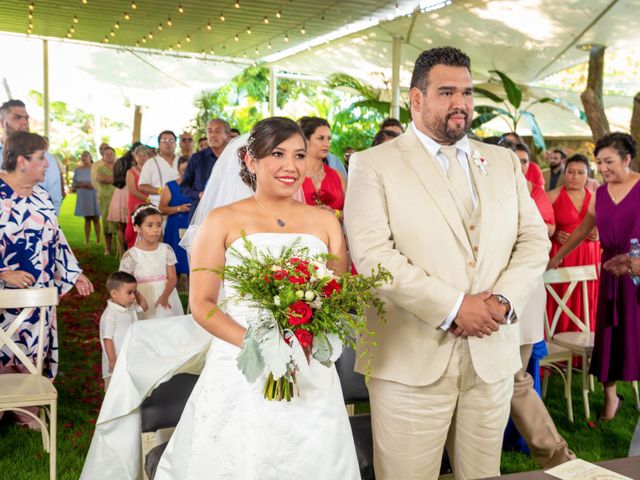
412	423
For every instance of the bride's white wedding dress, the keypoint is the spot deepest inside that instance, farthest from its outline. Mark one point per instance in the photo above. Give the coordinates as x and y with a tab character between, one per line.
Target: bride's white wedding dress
229	431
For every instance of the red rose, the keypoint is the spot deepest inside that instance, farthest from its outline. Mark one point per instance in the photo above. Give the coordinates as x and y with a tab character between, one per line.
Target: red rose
331	287
297	280
299	313
280	274
267	279
304	337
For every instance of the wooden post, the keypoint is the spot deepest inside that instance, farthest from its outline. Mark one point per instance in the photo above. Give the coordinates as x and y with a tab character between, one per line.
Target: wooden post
137	123
395	76
45	82
634	129
592	96
273	91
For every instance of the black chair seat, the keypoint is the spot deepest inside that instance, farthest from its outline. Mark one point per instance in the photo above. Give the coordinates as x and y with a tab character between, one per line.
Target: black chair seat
152	459
163	408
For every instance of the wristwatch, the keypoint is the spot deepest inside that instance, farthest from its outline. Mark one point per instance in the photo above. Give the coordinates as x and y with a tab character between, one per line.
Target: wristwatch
502	300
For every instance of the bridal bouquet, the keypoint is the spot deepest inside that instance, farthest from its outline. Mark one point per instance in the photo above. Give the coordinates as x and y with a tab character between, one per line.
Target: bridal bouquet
304	310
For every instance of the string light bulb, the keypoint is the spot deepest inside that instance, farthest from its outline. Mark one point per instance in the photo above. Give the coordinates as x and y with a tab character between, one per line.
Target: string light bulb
137	44
169	22
144	40
269	46
286	38
180	9
188	39
30	27
266	21
257	52
30	16
236	37
209	27
112	33
133	5
85	1
126	16
72	29
244	54
28	31
302	30
237	3
279	14
31	6
212	52
75	19
68	35
160	27
222	19
179	45
248	30
150	36
116	25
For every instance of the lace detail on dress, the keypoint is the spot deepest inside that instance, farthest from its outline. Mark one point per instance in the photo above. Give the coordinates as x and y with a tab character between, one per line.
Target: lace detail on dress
171	255
127	263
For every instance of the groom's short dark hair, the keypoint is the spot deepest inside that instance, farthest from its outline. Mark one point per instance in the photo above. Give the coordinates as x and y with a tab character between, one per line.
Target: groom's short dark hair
436	56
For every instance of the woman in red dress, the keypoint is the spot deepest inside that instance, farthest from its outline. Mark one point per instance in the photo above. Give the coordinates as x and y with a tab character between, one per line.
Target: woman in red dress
323	186
570	204
136	197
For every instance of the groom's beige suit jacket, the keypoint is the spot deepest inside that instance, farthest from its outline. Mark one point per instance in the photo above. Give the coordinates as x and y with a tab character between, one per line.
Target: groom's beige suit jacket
399	213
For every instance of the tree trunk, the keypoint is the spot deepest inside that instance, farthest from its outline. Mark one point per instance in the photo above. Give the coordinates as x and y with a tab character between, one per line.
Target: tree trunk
592	96
634	129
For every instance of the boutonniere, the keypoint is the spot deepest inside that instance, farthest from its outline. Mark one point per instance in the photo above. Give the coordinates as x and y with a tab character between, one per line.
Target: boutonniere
480	161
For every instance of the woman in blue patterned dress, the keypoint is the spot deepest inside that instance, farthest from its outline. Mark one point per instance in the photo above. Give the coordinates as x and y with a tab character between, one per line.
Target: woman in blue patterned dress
176	206
33	249
86	200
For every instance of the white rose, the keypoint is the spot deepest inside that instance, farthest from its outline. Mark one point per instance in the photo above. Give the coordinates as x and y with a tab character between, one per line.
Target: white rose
317	303
309	295
276	300
275	268
299	293
321	271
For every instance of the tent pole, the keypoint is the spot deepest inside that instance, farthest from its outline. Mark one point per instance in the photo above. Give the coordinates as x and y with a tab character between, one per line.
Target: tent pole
137	123
273	90
45	95
395	76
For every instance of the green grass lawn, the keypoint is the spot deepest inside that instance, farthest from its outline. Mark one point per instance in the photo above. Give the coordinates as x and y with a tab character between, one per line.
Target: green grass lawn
79	386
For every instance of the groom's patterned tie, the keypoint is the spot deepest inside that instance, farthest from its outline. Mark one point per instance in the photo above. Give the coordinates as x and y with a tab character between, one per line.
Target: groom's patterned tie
458	178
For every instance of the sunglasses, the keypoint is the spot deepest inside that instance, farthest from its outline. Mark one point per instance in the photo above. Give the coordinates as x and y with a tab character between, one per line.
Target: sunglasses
188	140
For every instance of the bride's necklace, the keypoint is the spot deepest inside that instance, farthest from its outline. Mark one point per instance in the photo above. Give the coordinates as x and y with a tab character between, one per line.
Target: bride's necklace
281	223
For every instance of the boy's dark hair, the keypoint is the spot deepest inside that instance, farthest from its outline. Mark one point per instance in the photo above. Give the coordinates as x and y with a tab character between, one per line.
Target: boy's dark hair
428	59
117	279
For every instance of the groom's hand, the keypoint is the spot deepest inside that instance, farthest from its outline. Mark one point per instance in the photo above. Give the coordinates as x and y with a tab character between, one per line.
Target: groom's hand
478	317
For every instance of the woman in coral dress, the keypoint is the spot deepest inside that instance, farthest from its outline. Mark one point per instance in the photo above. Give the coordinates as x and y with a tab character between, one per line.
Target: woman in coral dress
570	204
323	185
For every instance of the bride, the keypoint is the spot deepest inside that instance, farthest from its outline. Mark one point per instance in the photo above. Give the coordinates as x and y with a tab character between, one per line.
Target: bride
228	430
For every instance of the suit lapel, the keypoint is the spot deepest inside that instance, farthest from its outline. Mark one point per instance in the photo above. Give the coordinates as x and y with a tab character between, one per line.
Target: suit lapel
486	198
432	178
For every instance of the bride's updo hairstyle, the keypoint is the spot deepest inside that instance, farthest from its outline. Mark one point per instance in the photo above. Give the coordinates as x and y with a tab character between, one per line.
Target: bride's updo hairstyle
265	136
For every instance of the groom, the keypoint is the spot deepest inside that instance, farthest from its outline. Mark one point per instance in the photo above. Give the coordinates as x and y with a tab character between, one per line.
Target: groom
452	220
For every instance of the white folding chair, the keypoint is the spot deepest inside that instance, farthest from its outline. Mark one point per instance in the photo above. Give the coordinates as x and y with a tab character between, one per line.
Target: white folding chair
20	390
580	343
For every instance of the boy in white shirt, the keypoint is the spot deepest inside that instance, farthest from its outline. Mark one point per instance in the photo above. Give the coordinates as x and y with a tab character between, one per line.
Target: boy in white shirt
121	312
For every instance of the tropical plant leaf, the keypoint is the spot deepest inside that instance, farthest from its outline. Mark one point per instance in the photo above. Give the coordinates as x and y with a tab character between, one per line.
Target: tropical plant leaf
321	349
482	119
536	133
338	80
572	107
486	93
511	88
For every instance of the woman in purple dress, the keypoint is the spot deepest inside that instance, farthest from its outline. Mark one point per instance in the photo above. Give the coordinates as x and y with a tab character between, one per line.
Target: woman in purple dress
616	353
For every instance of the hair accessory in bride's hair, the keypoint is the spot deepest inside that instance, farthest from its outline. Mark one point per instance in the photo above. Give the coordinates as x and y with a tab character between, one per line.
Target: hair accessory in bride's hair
144	208
250	141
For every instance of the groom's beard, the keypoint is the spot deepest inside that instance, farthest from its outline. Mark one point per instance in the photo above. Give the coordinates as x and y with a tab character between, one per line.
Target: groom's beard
455	133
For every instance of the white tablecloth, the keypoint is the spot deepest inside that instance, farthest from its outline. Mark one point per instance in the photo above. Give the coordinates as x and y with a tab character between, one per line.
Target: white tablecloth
153	351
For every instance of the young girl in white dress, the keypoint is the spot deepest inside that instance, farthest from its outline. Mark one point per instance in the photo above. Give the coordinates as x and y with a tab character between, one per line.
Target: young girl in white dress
227	429
153	264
